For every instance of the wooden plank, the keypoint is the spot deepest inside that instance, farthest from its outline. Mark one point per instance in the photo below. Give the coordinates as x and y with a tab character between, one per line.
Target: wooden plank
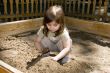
56	1
32	4
17	16
12	69
94	6
88	7
27	7
16	27
74	2
11	8
4	70
83	7
5	7
52	2
94	27
48	3
45	5
17	8
11	28
65	7
41	8
105	7
100	5
36	12
61	3
22	6
79	6
69	2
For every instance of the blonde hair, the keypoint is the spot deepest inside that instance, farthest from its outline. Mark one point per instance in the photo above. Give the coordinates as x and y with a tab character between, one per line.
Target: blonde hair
54	13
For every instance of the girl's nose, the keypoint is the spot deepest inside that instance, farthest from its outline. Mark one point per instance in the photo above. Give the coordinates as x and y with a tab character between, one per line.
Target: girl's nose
52	27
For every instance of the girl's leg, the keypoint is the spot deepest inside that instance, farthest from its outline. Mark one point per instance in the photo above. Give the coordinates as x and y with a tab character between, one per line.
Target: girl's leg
47	43
66	59
61	46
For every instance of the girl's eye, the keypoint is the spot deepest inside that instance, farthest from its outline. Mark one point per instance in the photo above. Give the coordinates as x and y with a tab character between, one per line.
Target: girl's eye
49	24
52	24
55	24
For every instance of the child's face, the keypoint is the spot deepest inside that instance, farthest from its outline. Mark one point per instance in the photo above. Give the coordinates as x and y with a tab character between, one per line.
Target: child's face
53	26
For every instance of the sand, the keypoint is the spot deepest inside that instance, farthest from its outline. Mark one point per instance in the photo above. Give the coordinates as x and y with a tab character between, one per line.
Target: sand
91	54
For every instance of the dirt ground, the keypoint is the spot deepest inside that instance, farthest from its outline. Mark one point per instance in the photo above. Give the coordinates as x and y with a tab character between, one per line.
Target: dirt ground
91	54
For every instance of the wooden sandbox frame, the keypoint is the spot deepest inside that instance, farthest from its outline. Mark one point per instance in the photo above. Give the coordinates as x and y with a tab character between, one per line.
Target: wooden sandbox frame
11	28
16	27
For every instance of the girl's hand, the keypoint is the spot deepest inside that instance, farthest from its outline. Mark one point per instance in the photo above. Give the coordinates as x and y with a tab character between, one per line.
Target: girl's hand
54	58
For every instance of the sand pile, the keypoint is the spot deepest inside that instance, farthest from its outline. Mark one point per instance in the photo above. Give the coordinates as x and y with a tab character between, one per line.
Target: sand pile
46	65
17	52
90	52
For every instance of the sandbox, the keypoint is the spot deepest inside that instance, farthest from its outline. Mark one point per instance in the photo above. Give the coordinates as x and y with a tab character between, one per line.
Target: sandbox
90	50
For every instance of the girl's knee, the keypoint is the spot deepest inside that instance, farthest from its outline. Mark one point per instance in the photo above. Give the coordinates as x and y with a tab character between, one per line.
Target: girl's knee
65	60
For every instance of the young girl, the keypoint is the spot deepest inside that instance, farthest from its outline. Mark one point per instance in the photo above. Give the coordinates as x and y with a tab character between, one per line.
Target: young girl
53	35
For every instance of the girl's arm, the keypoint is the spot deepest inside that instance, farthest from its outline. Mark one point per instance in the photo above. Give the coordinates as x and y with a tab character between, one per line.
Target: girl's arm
39	46
65	51
38	43
38	38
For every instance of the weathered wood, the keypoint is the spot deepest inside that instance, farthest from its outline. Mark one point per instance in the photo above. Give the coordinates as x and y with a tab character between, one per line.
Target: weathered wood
105	7
17	9
22	6
3	70
45	5
7	66
88	7
94	27
48	3
74	2
16	27
83	7
11	7
27	6
94	6
36	12
69	2
41	8
69	8
79	6
52	1
99	10
5	7
32	4
65	7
